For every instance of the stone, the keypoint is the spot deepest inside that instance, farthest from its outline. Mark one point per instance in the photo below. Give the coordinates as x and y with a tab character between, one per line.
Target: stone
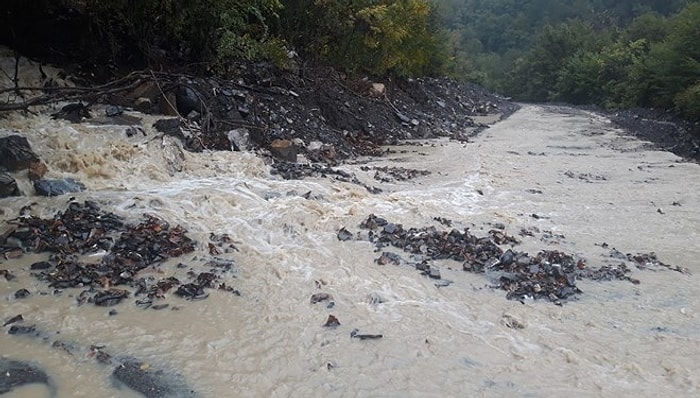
143	104
170	126
57	187
8	186
37	170
167	104
187	100
16	153
15	374
284	149
240	139
377	90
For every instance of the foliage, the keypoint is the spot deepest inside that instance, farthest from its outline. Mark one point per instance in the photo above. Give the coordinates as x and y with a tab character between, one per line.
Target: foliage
400	37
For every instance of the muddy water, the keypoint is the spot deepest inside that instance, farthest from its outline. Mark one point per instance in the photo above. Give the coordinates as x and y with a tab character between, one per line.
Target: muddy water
567	176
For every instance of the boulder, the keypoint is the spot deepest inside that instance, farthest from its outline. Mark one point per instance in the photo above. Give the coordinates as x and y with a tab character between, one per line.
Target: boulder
8	186
57	187
15	153
187	101
377	90
284	149
170	127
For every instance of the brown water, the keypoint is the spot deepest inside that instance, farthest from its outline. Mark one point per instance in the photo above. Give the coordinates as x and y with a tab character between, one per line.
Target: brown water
597	186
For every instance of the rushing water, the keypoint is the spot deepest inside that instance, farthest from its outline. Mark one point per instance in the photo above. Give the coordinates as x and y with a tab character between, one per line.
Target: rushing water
586	183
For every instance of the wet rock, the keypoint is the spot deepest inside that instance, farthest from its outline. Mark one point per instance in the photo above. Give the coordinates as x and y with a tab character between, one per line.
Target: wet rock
152	383
22	330
143	104
434	273
187	100
375	298
15	374
22	293
41	265
318	297
344	235
171	127
74	113
16	318
8	186
388	258
111	297
16	153
332	322
57	187
512	322
284	149
112	110
355	333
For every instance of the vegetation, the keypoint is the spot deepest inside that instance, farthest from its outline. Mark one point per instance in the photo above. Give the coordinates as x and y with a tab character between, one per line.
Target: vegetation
607	52
610	53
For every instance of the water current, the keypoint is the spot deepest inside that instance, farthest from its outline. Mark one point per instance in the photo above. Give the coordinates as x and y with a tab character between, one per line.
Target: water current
568	175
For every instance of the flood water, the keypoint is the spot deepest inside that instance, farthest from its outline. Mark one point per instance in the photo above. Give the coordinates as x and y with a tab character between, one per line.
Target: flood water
566	173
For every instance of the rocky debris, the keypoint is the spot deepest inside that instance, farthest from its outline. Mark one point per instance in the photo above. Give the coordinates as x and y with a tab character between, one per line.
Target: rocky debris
8	186
650	261
152	383
666	131
85	228
355	334
14	373
16	318
388	258
586	177
550	275
298	171
390	174
284	150
57	187
16	153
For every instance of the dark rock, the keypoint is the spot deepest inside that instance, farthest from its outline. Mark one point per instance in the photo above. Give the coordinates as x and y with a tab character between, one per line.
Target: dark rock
434	273
108	298
344	235
16	318
15	374
332	322
171	127
112	111
318	297
41	265
8	186
22	293
355	333
74	113
388	257
57	187
16	153
187	101
22	329
143	104
152	383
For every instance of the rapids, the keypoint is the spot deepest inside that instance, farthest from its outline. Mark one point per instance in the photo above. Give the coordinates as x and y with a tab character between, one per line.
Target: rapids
585	181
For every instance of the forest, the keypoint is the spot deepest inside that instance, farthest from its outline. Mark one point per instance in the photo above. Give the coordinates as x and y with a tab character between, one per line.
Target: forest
614	54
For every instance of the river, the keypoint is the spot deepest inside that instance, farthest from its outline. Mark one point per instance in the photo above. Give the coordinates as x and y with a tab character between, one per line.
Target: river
571	177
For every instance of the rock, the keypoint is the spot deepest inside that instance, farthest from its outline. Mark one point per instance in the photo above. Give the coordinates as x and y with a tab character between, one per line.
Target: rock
332	322
167	104
284	149
22	293
74	113
344	234
8	186
112	110
240	139
434	273
403	118
377	90
152	383
37	170
318	297
143	104
187	100
16	153
15	374
170	127
355	333
57	187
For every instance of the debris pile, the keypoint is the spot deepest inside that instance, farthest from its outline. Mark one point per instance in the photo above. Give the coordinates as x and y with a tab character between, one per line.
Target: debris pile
128	249
549	275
